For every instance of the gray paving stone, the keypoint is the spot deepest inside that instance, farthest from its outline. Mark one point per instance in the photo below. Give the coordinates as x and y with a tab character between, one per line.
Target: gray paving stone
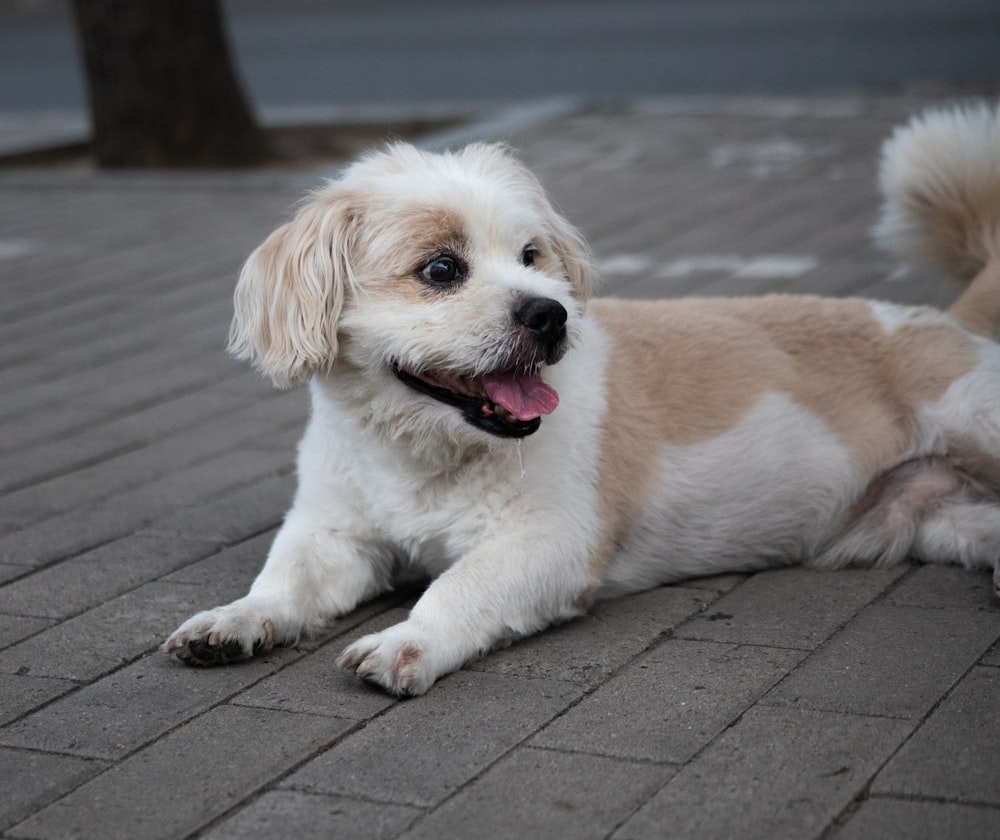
966	729
716	583
13	628
88	579
669	703
797	608
33	780
20	693
127	709
225	575
187	779
421	751
540	793
946	587
85	528
993	657
46	427
311	816
881	818
587	650
316	685
128	383
9	571
778	773
142	467
894	661
236	516
119	434
110	635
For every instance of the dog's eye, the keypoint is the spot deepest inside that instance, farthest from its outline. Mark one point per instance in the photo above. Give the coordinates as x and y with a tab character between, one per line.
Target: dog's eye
529	255
443	270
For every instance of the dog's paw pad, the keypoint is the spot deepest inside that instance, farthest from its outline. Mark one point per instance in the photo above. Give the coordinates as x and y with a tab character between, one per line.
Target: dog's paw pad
221	637
201	653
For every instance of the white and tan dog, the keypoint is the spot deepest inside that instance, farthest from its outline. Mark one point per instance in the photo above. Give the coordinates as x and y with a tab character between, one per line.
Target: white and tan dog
438	306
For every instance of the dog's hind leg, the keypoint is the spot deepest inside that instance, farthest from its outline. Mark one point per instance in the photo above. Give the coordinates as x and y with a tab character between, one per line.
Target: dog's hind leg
963	532
312	574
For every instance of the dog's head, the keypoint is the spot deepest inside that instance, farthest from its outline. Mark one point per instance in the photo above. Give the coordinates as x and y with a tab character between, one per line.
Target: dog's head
447	281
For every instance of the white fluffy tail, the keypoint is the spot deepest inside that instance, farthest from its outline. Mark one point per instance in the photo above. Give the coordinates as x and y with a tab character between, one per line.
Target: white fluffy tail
940	179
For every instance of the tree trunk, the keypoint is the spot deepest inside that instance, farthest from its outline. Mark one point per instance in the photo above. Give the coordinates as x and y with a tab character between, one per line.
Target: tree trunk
162	88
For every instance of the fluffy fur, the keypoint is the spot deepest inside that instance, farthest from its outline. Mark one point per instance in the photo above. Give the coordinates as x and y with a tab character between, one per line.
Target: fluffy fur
438	306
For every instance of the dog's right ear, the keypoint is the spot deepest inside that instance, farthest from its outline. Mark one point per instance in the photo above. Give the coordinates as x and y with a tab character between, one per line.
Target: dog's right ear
292	289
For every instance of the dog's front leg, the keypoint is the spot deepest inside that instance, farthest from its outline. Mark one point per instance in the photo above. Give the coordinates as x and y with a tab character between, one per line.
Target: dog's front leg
312	574
494	593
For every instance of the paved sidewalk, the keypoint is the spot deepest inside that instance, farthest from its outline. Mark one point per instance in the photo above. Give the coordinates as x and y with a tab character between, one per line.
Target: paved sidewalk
144	474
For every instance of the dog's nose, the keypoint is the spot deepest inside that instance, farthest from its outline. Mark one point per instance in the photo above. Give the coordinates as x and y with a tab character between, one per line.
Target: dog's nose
545	317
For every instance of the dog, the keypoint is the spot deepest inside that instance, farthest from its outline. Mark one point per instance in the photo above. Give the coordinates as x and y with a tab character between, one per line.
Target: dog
478	417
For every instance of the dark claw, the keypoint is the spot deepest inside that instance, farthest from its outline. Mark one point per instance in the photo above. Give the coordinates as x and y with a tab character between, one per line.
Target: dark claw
200	653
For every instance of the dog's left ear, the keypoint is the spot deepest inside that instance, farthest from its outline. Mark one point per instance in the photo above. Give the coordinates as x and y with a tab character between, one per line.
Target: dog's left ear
292	289
573	251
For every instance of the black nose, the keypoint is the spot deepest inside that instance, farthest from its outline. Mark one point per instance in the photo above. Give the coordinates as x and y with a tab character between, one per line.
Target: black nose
545	317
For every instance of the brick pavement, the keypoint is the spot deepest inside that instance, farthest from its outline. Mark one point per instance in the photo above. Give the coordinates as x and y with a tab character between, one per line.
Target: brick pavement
144	474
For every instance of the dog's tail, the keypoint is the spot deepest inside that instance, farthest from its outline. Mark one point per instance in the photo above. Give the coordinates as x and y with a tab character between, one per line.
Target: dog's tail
940	179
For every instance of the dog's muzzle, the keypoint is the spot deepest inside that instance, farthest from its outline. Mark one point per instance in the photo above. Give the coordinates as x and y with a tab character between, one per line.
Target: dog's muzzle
511	401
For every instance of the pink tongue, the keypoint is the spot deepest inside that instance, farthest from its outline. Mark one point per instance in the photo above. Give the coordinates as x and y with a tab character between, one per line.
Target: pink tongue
523	395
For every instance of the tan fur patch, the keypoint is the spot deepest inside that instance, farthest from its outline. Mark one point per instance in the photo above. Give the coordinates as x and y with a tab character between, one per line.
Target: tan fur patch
978	309
683	371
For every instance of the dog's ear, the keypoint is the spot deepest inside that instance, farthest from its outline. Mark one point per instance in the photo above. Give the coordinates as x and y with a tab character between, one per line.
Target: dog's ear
573	251
292	289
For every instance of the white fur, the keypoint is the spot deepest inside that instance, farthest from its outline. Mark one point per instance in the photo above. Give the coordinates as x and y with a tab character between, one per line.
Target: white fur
772	509
517	534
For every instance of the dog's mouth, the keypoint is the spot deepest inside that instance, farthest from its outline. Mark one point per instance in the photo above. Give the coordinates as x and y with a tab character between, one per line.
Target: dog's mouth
504	403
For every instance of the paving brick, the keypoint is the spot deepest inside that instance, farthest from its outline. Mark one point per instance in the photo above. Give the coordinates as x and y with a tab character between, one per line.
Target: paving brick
20	693
85	528
316	685
236	516
587	650
9	571
125	710
540	793
142	467
945	587
670	702
122	433
13	628
311	816
422	750
716	583
778	773
894	661
225	575
112	634
88	579
132	382
966	729
881	818
185	780
798	608
33	780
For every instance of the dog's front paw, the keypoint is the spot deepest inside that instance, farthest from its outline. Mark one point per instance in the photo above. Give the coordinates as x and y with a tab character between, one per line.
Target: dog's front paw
223	635
401	660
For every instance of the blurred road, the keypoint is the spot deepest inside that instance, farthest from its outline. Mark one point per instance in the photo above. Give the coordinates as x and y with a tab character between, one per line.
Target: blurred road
321	53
